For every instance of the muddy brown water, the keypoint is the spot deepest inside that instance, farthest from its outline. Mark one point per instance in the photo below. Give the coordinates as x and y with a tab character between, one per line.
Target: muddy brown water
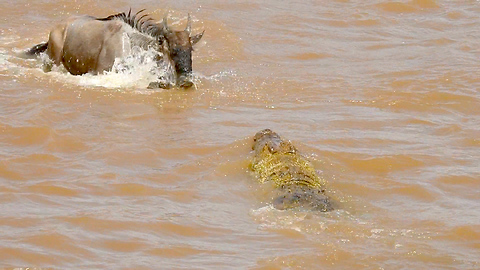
382	96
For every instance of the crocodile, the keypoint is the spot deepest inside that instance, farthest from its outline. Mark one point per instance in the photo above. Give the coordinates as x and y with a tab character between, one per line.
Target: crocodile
278	160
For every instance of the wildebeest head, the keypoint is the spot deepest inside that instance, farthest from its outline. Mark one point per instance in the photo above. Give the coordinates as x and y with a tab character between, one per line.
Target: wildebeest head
179	46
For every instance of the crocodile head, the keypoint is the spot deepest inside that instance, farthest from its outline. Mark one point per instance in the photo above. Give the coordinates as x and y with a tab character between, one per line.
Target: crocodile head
267	141
263	137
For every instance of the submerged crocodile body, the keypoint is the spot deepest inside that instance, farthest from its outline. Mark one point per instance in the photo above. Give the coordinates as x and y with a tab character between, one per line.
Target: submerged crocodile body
278	161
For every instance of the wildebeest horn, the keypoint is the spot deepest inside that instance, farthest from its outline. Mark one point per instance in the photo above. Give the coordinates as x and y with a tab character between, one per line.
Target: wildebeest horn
188	29
165	24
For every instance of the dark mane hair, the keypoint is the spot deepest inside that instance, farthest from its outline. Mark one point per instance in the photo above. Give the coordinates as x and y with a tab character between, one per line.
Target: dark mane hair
143	23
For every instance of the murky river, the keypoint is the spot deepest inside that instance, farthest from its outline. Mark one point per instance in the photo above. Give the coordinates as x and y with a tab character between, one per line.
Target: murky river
382	96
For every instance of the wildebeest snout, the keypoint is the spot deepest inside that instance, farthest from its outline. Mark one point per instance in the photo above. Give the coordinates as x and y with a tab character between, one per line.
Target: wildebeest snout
183	67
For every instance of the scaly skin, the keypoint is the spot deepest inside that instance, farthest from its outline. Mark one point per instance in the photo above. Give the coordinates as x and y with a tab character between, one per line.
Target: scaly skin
278	161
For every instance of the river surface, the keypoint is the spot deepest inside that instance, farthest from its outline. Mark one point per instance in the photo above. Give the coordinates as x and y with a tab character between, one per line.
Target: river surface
98	172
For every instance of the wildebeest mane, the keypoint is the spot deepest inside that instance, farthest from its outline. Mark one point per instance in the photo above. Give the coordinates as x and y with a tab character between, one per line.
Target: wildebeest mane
141	23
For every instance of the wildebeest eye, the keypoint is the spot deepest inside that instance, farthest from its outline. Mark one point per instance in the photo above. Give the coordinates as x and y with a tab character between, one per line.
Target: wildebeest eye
176	51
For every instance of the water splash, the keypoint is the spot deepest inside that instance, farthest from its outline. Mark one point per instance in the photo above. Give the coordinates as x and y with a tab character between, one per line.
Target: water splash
135	70
4	61
303	221
270	217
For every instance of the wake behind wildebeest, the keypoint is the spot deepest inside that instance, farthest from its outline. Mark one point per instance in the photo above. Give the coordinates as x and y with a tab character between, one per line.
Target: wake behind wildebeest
85	44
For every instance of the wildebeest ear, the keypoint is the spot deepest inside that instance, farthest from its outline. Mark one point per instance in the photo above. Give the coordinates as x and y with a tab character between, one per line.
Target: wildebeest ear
196	38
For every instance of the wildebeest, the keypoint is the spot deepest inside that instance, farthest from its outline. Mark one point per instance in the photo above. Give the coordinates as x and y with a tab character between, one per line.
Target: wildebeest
85	44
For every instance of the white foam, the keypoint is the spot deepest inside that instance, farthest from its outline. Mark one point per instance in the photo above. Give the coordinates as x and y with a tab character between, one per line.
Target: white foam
270	217
135	70
4	63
